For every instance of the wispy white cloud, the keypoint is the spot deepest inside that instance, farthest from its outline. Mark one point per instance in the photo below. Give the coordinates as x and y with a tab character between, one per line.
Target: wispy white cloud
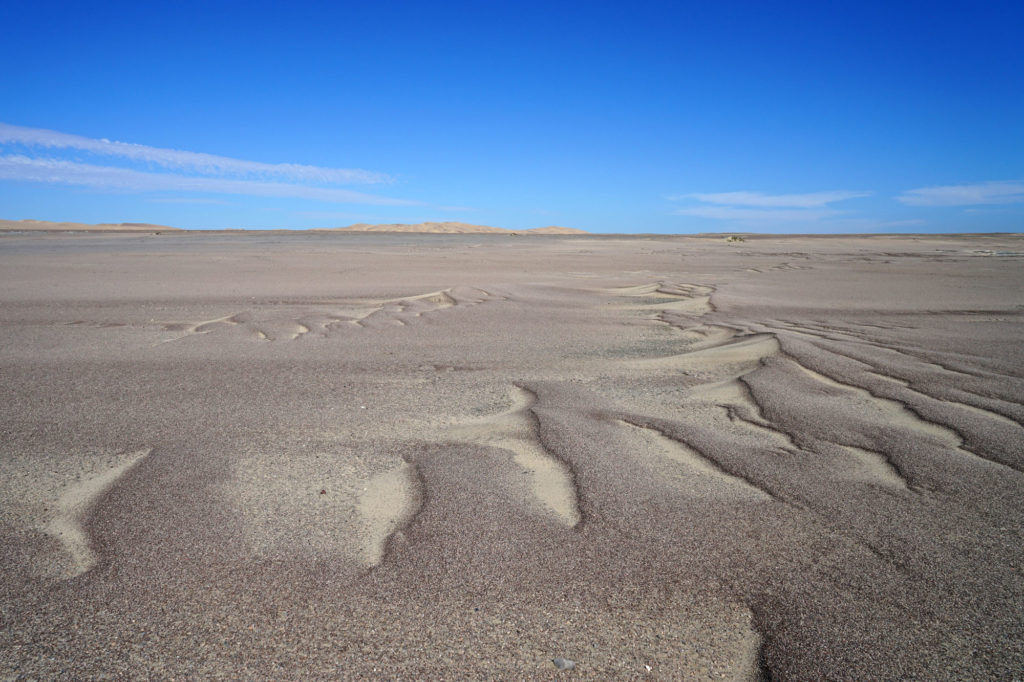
17	167
760	200
756	209
754	215
339	215
206	164
187	200
844	224
995	192
910	222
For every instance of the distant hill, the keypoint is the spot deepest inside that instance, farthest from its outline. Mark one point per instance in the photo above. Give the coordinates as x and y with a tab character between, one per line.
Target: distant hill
552	229
437	228
454	228
428	227
41	225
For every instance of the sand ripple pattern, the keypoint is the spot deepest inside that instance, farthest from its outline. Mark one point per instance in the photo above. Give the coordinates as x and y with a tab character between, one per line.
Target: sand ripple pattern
515	430
292	321
681	472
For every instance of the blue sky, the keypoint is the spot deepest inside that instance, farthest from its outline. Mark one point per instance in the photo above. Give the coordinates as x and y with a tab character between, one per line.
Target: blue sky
629	117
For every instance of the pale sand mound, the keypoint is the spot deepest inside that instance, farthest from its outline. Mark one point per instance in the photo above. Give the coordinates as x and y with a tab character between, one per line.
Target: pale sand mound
72	505
438	228
425	227
43	225
332	496
53	493
554	229
514	430
387	501
701	476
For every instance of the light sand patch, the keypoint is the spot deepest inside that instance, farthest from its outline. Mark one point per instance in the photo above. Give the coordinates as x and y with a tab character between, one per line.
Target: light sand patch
703	335
440	299
323	502
73	504
873	467
973	409
733	358
547	476
892	411
387	501
277	322
693	299
298	503
702	476
734	397
698	305
210	325
52	493
513	430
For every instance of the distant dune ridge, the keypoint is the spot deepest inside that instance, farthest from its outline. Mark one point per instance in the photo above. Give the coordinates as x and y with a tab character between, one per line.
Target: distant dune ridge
39	225
454	228
427	227
439	228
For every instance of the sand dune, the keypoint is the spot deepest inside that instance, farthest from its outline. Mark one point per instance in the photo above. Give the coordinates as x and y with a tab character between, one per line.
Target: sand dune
554	229
425	227
374	457
43	225
437	228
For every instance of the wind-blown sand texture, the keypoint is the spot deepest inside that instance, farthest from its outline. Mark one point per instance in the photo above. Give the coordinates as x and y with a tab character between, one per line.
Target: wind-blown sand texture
401	456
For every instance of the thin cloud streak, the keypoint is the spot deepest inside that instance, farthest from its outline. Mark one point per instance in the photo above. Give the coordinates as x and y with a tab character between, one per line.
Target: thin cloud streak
757	215
756	208
15	167
185	200
208	164
759	200
995	192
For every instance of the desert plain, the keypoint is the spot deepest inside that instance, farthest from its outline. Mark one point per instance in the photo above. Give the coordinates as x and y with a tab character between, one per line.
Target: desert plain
430	456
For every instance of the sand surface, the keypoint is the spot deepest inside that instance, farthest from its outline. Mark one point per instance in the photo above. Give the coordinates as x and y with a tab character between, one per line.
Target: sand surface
343	455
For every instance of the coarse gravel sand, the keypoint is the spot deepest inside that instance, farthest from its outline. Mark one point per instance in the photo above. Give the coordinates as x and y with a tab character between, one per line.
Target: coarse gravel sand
359	455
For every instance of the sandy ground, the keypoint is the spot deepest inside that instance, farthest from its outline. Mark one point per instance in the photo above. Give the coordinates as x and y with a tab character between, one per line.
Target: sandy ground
344	455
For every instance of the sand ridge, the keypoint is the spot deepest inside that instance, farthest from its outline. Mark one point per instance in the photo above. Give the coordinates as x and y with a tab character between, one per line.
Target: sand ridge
514	430
44	225
72	505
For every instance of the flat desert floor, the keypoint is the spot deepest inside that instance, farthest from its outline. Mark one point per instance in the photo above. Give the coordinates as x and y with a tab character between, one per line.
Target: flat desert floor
322	456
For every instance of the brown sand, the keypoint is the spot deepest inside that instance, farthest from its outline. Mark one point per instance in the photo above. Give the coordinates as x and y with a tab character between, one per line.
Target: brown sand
357	455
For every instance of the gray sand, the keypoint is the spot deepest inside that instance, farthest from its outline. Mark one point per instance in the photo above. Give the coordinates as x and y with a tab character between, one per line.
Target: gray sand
430	456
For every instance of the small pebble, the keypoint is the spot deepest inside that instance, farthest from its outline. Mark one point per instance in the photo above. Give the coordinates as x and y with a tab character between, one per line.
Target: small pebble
563	663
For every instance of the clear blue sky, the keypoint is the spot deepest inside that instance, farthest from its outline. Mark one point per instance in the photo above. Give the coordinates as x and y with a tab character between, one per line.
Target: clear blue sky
626	117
